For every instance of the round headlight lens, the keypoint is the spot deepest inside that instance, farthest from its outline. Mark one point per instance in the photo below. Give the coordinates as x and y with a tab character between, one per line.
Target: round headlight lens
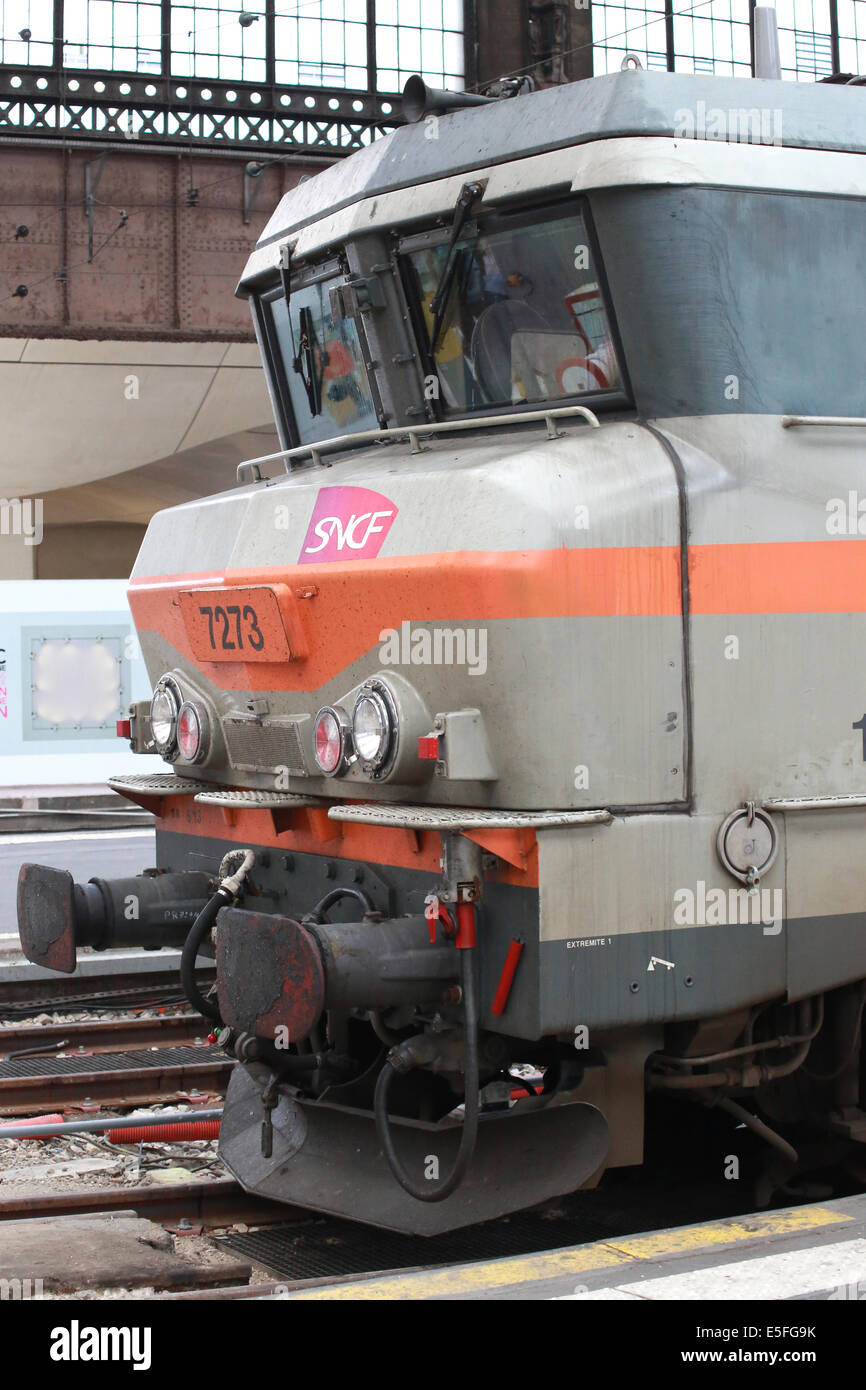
192	731
329	740
163	717
372	730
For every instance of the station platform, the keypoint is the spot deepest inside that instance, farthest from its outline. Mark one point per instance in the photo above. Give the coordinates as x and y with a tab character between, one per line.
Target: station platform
805	1252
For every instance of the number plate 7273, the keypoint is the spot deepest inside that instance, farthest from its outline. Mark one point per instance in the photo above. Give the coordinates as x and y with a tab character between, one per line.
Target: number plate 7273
234	624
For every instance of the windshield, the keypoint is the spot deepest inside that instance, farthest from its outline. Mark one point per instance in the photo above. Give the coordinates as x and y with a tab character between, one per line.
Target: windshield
323	365
524	318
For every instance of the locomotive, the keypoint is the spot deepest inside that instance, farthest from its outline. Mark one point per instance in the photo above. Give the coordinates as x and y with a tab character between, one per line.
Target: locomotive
516	751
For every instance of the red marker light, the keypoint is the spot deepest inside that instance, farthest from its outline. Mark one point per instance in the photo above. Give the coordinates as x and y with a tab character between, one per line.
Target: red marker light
428	746
124	728
328	741
189	732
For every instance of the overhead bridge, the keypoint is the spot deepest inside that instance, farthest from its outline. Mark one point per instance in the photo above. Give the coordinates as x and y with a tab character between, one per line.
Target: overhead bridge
129	371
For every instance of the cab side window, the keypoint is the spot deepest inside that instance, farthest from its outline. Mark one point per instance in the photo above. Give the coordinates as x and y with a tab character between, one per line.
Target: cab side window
322	364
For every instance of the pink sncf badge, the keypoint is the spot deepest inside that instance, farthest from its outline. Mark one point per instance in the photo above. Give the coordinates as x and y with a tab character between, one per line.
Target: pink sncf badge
348	523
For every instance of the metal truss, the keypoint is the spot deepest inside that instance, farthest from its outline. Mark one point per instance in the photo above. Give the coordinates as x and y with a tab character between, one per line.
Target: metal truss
84	105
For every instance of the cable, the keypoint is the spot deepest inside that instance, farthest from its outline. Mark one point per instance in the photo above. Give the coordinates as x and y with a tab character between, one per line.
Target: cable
471	1101
197	933
62	272
335	895
230	888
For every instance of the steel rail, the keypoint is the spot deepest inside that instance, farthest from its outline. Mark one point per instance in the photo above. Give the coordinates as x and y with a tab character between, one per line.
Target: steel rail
99	1035
213	1203
117	1086
31	990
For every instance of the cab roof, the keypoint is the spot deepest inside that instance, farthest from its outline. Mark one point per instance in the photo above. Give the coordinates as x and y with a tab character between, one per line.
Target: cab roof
819	116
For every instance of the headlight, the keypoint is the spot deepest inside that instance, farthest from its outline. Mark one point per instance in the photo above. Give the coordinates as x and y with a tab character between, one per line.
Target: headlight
193	732
164	709
330	736
374	728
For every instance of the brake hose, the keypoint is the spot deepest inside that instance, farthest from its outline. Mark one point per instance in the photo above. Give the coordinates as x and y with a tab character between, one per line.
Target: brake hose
471	1101
227	892
335	895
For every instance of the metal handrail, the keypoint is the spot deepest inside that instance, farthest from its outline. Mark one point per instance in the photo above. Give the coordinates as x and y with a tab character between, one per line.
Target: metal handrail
789	421
414	432
814	803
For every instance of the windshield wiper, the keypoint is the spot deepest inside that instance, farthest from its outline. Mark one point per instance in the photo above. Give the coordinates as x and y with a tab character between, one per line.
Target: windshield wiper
470	194
304	362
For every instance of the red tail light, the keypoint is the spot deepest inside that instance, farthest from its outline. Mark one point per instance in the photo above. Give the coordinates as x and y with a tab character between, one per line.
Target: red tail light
192	732
330	740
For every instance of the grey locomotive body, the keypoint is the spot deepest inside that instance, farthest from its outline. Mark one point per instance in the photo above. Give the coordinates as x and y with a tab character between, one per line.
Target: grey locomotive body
534	683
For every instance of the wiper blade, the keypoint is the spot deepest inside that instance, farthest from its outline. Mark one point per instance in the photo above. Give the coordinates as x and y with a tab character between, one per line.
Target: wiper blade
470	193
304	362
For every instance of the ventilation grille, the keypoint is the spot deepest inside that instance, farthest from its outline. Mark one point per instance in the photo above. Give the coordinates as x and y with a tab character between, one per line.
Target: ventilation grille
264	745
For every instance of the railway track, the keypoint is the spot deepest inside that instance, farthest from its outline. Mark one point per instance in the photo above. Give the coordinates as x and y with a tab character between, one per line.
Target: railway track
115	1079
207	1205
101	1062
101	1035
109	980
117	1063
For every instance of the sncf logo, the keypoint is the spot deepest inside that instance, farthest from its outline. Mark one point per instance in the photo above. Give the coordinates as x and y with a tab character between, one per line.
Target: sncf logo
348	523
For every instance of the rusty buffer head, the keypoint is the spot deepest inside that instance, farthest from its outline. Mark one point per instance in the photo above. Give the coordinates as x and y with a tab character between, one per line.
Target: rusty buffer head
270	974
50	905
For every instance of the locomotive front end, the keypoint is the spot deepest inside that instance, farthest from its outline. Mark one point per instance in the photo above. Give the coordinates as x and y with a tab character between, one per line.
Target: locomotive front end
366	673
445	688
338	826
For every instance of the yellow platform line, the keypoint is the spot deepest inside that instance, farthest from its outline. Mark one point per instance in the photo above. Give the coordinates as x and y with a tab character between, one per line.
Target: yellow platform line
581	1259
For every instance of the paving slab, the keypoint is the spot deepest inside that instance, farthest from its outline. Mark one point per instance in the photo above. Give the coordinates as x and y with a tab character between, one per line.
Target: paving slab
72	1253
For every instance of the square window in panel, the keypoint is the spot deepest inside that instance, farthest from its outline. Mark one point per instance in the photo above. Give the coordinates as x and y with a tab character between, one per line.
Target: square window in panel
76	681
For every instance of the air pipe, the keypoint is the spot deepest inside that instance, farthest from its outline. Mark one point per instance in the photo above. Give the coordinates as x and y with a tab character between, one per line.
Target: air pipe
408	1054
231	885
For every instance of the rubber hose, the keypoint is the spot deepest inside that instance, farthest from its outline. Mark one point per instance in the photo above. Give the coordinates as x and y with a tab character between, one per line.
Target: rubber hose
197	933
383	1032
334	897
472	1101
